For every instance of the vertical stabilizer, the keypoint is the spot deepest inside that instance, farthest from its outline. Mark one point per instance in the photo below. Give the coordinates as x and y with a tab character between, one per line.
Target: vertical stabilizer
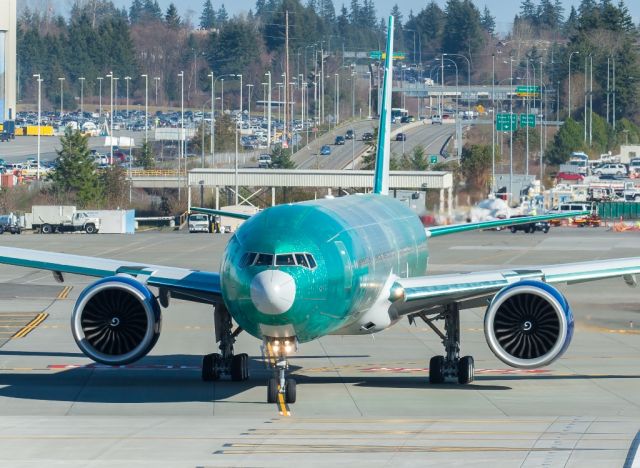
381	182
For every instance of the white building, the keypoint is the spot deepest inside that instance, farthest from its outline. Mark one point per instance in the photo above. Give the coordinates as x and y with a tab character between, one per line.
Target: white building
7	59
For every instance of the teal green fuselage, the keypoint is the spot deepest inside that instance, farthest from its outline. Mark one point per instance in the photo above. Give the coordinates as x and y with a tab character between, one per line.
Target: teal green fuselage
357	242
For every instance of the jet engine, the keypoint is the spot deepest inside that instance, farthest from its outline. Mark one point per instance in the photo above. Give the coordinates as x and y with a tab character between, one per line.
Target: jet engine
528	324
116	320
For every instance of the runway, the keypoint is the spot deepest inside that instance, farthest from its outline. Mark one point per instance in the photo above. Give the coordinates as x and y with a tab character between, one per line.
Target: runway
361	400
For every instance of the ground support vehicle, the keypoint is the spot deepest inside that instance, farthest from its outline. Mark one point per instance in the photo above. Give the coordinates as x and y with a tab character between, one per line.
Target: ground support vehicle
58	219
12	228
592	220
530	228
199	223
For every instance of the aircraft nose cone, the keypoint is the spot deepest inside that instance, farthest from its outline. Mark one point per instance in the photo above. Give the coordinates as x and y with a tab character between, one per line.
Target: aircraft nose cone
273	291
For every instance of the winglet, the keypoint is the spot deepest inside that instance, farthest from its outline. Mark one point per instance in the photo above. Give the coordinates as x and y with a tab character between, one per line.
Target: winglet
381	181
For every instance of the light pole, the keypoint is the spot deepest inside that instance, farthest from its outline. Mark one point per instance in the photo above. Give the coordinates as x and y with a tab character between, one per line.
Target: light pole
156	79
181	152
493	124
414	42
511	60
100	102
468	78
127	79
236	138
570	55
61	95
249	86
115	95
269	113
213	100
337	98
39	79
146	108
353	94
110	75
81	97
222	95
369	77
279	85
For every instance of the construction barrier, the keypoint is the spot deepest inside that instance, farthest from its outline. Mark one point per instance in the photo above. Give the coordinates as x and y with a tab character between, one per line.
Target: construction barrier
32	130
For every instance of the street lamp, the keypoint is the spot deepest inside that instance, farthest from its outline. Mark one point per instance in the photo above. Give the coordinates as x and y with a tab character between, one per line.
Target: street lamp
369	77
249	86
39	79
81	97
468	78
269	113
110	75
570	55
61	95
156	79
511	60
181	152
213	99
222	95
337	99
100	102
146	108
127	79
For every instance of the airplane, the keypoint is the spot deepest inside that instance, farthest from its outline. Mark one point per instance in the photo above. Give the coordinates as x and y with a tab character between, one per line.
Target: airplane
353	265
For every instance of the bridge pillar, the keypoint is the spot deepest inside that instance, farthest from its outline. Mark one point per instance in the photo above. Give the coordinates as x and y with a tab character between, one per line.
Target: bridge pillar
217	197
188	197
450	202
273	196
441	199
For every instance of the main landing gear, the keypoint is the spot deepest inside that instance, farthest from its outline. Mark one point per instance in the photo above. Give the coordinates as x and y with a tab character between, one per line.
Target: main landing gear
279	385
216	365
451	367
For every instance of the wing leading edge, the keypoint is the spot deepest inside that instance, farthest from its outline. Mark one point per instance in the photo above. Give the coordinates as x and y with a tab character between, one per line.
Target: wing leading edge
437	231
182	283
426	291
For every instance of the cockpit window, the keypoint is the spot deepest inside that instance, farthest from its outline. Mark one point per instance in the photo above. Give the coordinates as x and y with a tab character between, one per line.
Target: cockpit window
264	259
304	260
301	260
285	260
312	262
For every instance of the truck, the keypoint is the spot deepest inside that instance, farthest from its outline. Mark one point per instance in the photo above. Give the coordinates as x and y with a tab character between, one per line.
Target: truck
48	219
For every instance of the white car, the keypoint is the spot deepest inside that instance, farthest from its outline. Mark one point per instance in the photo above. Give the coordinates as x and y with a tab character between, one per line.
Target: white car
616	170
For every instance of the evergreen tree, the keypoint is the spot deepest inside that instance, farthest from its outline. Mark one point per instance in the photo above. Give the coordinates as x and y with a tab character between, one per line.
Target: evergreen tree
571	24
261	6
418	159
145	158
487	21
235	38
528	11
75	173
281	158
569	138
463	31
222	16
476	163
114	185
208	16
172	18
135	11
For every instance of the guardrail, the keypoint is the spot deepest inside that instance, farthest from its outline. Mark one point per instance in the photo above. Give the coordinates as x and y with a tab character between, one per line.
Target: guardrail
154	173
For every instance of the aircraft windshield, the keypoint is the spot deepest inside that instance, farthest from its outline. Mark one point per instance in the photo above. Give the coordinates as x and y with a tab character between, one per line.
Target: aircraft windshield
304	260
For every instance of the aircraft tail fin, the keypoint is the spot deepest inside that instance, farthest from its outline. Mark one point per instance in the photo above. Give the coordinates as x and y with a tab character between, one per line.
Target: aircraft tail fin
381	180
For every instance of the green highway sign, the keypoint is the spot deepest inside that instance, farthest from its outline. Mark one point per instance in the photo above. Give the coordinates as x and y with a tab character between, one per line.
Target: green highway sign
433	159
504	123
375	55
379	55
527	90
527	120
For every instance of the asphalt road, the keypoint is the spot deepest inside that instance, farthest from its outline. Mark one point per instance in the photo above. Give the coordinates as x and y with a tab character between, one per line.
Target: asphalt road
361	400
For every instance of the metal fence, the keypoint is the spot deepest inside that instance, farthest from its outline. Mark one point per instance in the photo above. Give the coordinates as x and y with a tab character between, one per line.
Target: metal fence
619	210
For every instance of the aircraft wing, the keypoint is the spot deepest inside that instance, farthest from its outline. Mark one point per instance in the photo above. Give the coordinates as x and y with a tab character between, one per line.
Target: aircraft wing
473	289
182	283
228	214
436	231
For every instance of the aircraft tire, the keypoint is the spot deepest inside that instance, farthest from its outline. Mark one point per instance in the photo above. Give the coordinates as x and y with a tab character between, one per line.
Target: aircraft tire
291	391
436	370
210	367
272	390
465	370
240	367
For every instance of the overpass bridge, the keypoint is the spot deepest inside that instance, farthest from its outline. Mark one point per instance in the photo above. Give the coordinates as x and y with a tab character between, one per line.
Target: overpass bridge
262	179
466	93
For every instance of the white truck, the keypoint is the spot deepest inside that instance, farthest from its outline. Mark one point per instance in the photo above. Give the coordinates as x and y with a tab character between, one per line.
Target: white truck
49	219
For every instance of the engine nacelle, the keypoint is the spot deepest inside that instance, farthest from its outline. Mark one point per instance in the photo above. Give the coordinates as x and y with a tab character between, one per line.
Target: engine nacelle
116	320
528	324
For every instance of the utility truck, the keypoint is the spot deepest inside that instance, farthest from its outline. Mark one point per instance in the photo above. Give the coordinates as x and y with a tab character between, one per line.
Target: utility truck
48	219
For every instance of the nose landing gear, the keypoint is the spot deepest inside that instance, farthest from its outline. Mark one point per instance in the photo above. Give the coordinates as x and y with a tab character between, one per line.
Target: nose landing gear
280	389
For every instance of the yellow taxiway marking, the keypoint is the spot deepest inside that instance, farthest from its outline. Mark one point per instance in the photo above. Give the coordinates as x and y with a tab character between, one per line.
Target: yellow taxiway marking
29	327
284	411
65	292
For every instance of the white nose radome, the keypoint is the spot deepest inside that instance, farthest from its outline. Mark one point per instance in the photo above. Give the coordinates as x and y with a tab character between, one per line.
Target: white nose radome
273	291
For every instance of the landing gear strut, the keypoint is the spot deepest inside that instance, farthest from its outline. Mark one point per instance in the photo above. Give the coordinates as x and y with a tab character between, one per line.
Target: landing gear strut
216	365
279	384
451	367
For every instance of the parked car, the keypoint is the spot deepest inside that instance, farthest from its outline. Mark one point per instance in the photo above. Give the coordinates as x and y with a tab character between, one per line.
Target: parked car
367	136
569	176
401	137
264	161
530	228
339	140
350	135
614	170
325	150
436	120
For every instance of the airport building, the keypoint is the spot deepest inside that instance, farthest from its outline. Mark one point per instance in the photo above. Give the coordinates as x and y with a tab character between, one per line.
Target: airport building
7	59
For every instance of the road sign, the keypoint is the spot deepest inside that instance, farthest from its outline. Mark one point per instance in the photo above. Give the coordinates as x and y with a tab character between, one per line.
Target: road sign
433	159
527	90
504	123
379	55
527	120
